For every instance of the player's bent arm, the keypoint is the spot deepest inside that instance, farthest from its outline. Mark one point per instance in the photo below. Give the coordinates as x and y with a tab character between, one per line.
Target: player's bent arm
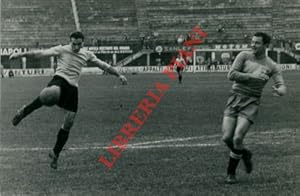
238	76
279	86
235	73
107	67
34	53
281	90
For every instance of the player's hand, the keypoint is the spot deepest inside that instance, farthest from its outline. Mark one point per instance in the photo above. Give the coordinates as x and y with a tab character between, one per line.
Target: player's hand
123	79
260	76
263	76
278	91
14	56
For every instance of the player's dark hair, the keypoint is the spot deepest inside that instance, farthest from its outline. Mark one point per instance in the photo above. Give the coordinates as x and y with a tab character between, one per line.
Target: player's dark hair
266	38
77	35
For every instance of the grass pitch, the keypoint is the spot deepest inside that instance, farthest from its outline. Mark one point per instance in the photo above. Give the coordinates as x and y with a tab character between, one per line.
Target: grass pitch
177	152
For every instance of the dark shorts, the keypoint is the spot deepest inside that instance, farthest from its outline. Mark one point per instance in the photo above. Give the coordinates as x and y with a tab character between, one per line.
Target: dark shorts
69	94
178	69
243	106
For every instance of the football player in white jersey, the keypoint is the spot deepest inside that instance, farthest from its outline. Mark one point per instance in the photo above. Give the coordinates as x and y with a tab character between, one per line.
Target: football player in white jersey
179	64
62	90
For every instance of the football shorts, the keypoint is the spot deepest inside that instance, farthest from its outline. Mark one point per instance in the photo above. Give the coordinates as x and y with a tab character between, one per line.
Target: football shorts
243	106
69	94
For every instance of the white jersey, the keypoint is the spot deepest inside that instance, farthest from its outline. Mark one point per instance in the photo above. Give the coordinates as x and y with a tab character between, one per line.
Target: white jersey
180	62
69	63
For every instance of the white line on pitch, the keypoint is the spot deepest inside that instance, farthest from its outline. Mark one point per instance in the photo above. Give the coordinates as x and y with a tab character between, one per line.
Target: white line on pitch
199	145
176	140
190	145
149	144
202	137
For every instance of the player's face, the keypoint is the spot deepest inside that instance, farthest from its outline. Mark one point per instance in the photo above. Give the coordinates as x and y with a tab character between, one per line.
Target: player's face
257	45
76	44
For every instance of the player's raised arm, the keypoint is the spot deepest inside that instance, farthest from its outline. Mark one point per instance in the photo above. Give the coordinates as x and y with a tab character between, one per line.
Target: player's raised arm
35	53
107	67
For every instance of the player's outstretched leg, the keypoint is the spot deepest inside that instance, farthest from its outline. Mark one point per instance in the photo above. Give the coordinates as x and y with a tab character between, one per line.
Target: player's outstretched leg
62	138
49	96
26	110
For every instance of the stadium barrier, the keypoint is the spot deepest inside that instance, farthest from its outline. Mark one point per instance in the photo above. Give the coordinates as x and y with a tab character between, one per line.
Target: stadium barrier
192	69
131	70
44	72
27	72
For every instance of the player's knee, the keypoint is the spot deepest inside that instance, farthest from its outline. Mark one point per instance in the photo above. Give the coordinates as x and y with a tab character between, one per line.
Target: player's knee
237	141
226	139
50	96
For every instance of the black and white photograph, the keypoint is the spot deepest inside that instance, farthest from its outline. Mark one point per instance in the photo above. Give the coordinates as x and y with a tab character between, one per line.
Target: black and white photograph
149	97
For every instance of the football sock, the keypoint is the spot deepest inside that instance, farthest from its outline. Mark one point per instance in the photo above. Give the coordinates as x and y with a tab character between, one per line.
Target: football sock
61	140
230	145
246	152
33	106
234	159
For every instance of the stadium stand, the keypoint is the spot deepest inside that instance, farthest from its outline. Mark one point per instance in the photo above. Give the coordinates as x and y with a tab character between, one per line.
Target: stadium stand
144	24
35	23
108	20
42	22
